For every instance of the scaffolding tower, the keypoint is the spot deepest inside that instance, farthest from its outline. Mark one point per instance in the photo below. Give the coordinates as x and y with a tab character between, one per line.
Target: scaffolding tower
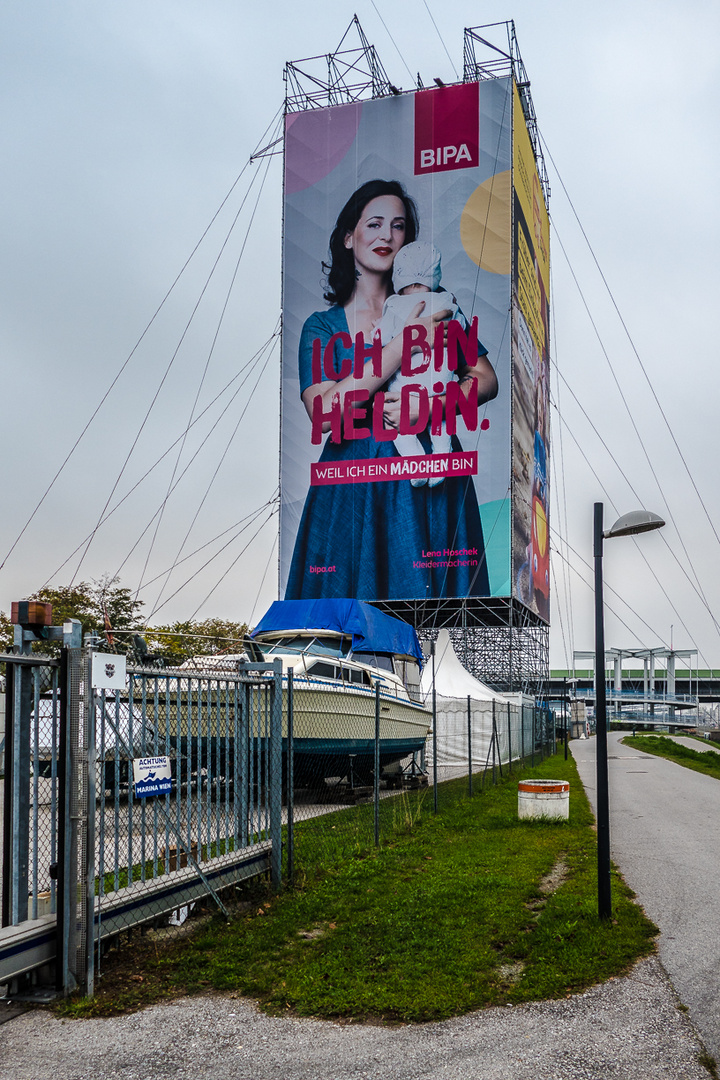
499	640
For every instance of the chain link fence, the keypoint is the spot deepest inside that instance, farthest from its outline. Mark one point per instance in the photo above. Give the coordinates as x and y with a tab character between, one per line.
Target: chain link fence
377	764
248	770
30	791
161	857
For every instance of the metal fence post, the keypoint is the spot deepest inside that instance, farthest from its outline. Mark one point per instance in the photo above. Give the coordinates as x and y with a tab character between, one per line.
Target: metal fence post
434	725
276	776
509	740
290	773
89	845
18	707
565	717
7	867
522	733
376	765
69	781
470	757
242	762
493	740
532	746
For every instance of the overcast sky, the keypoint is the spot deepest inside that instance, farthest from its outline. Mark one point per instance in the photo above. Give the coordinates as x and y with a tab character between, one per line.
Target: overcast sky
124	126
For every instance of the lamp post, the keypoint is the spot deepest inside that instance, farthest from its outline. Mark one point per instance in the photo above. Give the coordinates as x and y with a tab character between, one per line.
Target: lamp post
628	525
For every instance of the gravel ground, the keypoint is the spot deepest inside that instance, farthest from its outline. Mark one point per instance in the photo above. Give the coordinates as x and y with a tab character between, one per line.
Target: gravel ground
627	1029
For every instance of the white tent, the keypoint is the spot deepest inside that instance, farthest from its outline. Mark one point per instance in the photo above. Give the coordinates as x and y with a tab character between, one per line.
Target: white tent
456	693
452	680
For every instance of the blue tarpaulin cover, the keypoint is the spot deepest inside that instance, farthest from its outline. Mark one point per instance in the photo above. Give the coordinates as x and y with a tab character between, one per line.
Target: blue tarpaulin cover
371	630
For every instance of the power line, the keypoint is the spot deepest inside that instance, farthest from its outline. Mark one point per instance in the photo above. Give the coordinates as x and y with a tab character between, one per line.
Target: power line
632	343
165	453
134	349
207	364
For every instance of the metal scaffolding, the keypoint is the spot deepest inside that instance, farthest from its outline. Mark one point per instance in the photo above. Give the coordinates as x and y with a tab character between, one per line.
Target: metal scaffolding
337	78
497	639
483	59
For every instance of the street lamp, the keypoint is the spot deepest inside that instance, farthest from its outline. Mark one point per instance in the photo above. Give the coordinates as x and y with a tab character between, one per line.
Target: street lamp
637	521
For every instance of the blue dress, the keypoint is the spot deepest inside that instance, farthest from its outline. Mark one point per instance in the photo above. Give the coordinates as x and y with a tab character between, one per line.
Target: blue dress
373	538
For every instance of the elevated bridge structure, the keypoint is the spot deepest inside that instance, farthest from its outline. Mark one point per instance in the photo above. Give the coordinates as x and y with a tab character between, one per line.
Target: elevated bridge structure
703	687
644	686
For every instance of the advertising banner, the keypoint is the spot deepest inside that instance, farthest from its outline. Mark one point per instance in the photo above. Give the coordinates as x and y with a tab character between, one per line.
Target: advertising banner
530	346
396	365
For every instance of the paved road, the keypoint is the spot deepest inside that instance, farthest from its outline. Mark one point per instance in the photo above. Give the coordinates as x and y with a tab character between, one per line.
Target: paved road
693	744
665	838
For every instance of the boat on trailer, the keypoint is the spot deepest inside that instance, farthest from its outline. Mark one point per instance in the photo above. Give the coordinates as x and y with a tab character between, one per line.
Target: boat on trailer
341	653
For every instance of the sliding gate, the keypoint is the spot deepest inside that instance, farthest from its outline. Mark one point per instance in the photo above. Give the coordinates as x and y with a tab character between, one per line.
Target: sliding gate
113	853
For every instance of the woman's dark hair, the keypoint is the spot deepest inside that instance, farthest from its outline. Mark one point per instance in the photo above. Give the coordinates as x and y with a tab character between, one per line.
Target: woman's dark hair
341	269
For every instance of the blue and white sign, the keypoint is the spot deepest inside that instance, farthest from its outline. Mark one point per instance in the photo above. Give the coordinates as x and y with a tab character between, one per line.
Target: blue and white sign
152	776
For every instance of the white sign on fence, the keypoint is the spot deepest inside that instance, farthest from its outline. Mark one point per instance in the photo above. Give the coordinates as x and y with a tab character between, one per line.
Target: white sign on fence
152	776
108	671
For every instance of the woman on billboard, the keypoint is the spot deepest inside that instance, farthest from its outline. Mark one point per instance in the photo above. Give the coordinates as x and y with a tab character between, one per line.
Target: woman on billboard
389	539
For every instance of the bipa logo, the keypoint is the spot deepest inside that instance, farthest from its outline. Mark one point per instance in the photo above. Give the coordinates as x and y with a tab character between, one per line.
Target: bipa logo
444	155
446	128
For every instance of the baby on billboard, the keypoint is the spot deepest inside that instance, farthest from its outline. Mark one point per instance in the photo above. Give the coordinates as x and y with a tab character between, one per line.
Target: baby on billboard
416	276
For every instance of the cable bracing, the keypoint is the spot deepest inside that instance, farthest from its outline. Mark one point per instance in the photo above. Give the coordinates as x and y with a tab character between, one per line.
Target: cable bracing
116	378
245	368
190	462
643	369
166	373
638	545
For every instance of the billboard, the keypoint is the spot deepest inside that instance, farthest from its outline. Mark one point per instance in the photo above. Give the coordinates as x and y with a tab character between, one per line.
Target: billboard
399	327
530	348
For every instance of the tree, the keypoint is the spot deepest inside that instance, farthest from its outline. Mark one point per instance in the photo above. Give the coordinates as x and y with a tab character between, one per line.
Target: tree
107	608
98	606
179	641
90	603
7	633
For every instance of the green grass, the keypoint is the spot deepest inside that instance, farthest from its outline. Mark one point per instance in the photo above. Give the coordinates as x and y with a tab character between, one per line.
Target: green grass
704	761
448	915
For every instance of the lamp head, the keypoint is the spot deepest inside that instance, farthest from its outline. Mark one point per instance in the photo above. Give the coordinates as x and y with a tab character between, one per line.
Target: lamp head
637	521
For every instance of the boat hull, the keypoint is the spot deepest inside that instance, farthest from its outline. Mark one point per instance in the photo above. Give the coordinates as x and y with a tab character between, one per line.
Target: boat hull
333	731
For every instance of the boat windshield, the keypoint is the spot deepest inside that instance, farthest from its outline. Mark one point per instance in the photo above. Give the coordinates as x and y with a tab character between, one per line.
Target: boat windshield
377	660
298	643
